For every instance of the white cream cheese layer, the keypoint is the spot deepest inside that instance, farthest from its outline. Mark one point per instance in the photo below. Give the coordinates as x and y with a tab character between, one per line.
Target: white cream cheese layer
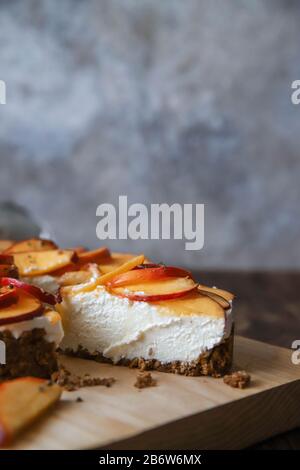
47	282
50	322
120	328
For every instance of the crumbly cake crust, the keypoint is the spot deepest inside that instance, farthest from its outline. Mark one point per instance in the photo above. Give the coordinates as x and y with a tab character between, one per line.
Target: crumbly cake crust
238	379
216	362
28	355
144	380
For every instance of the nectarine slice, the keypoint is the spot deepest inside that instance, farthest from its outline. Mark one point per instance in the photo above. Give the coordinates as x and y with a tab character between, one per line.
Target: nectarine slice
170	288
220	292
36	263
37	292
25	308
147	274
127	266
33	244
114	261
93	256
22	401
193	303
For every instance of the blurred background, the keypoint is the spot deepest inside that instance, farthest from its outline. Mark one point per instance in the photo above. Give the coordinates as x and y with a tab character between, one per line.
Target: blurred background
163	101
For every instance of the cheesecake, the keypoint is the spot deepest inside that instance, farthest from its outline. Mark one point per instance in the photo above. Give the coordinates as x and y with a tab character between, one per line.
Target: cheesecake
30	327
149	316
120	308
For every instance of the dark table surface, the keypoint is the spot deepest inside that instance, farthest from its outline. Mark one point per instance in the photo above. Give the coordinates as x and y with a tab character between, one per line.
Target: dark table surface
267	308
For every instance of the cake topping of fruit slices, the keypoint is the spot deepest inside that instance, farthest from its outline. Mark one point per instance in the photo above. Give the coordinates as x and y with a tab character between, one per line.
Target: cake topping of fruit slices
93	256
96	280
37	292
153	291
20	301
23	307
37	257
15	398
145	273
156	283
33	244
150	283
36	263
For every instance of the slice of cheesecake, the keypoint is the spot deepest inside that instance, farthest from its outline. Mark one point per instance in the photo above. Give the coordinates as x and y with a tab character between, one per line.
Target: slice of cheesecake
149	316
30	331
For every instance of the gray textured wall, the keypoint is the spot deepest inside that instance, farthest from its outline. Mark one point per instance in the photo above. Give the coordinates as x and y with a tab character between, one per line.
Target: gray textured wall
165	101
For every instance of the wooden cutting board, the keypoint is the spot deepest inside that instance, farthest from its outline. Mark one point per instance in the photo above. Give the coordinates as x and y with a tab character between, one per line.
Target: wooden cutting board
180	412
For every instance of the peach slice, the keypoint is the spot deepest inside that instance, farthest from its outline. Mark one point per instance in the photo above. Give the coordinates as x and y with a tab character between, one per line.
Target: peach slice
93	256
127	266
220	300
4	244
36	263
193	303
114	261
145	274
37	292
33	244
22	401
220	292
26	308
170	288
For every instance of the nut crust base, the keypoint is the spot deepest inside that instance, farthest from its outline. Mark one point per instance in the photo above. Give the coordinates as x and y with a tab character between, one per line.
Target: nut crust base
28	355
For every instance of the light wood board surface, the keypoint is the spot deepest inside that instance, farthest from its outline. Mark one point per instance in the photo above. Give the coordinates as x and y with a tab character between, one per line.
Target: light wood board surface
180	412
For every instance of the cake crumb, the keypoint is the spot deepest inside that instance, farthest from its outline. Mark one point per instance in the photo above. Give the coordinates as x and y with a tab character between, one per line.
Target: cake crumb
79	400
70	382
145	379
239	379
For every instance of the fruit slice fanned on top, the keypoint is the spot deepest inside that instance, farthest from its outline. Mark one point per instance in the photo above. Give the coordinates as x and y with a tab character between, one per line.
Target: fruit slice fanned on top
22	401
163	289
214	290
93	256
37	292
37	263
147	273
150	282
191	304
33	244
25	308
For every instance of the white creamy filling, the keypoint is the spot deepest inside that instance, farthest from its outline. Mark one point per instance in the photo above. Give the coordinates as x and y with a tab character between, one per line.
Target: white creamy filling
118	327
54	331
46	282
